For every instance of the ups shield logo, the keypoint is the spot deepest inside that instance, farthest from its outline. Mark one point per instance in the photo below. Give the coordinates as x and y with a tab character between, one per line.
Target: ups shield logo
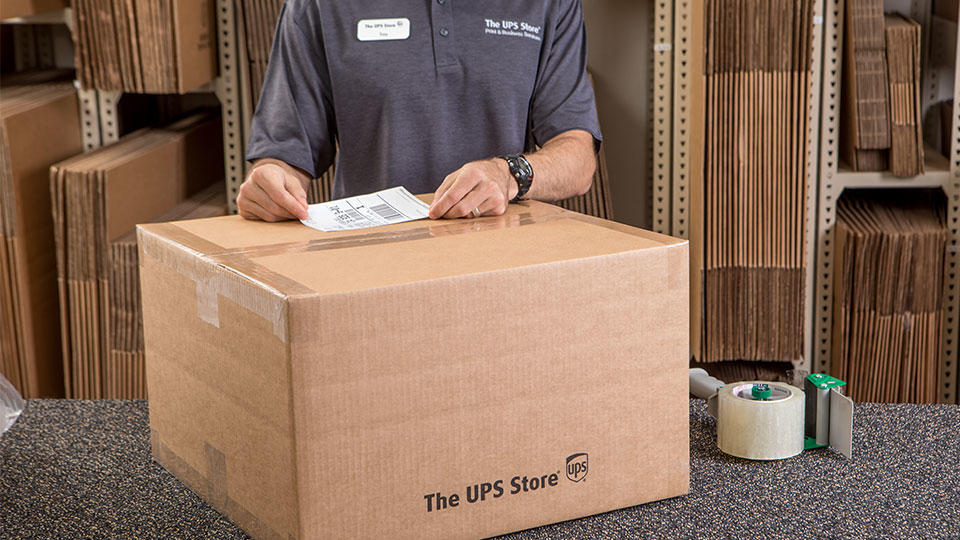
577	467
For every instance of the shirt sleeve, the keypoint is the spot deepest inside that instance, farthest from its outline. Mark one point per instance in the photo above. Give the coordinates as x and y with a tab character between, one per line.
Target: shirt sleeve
294	120
563	97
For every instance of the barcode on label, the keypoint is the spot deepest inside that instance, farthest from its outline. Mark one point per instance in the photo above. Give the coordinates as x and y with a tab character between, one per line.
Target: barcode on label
349	215
386	211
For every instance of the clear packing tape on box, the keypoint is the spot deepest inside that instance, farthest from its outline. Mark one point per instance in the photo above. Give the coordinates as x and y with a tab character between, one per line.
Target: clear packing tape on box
224	272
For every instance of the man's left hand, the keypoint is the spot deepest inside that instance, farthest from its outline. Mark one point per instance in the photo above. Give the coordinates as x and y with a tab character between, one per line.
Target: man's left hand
484	186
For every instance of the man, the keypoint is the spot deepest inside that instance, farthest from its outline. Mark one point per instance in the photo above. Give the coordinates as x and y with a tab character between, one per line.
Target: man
429	94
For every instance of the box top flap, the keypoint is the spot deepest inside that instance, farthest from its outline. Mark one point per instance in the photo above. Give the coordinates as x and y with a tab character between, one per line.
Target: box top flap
294	259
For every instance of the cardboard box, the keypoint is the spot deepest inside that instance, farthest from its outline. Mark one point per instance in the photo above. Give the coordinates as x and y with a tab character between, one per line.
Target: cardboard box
373	383
39	125
23	8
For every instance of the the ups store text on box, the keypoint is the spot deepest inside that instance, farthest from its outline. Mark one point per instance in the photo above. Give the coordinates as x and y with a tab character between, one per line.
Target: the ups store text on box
431	379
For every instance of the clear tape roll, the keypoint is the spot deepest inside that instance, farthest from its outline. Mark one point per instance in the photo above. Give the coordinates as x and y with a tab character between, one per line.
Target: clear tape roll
755	429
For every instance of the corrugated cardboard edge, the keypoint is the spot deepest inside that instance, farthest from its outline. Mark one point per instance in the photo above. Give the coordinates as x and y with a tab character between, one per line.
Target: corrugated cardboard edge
212	486
695	181
214	279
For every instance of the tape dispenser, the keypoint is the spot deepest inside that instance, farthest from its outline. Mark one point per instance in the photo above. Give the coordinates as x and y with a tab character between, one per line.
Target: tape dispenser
772	420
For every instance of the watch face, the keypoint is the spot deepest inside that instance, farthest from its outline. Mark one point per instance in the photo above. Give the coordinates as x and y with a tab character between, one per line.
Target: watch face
524	166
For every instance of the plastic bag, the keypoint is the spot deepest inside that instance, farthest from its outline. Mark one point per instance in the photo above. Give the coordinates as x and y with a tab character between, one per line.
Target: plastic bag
11	404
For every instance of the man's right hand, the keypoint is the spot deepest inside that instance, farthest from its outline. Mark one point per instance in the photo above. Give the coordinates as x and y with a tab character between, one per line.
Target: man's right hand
273	192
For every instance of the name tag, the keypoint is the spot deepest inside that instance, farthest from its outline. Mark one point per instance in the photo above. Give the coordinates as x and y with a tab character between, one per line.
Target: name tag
383	29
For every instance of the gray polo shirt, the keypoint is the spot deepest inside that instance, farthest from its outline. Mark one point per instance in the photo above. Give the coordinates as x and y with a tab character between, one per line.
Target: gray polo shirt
404	92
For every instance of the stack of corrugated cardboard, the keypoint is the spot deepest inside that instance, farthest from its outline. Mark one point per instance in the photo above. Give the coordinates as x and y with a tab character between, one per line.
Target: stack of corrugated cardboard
97	199
888	295
865	94
321	189
903	66
39	125
152	46
259	20
23	8
752	210
880	124
125	361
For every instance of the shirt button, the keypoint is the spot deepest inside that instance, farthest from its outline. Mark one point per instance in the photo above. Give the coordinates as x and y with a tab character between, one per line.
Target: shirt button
444	32
441	2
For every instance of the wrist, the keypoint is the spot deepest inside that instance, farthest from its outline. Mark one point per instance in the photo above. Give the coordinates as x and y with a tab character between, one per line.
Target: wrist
302	176
506	178
522	172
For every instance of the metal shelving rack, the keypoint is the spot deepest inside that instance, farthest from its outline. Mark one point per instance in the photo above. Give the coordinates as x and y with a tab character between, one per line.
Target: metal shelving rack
34	43
99	108
662	113
940	172
102	105
229	93
684	92
687	134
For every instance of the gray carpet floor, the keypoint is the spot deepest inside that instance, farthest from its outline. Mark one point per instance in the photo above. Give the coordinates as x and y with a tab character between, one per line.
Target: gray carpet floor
71	469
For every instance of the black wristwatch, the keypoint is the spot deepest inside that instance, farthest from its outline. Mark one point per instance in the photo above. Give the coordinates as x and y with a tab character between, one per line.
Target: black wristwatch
522	172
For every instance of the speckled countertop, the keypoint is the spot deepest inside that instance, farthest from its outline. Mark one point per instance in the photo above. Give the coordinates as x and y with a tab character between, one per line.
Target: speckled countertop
73	469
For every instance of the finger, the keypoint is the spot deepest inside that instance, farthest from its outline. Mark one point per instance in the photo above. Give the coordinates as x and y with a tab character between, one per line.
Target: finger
444	187
274	184
495	204
296	189
492	206
243	207
458	190
257	212
468	203
263	200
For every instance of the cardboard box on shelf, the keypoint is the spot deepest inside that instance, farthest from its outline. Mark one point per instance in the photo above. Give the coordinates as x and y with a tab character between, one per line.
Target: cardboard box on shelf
23	8
430	379
39	125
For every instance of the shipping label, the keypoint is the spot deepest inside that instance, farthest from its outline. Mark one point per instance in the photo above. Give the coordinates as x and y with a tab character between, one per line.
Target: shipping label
394	205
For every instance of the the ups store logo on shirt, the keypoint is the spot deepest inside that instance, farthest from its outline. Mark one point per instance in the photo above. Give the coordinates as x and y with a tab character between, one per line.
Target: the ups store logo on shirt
577	466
